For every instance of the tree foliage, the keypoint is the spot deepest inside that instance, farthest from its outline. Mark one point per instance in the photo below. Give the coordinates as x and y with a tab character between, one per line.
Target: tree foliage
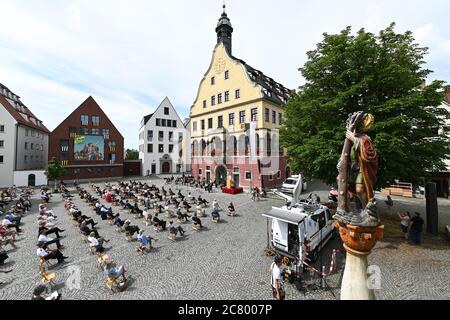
132	154
55	170
380	74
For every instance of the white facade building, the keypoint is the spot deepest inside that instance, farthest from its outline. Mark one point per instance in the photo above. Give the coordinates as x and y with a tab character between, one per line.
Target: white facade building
23	143
161	137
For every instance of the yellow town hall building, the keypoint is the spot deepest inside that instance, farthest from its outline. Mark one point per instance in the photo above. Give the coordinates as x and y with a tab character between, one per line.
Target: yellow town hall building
233	98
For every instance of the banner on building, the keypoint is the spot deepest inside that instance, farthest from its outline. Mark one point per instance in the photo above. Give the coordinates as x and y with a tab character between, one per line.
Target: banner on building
89	148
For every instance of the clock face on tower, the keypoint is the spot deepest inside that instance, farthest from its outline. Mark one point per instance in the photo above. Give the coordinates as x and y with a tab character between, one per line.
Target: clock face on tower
220	66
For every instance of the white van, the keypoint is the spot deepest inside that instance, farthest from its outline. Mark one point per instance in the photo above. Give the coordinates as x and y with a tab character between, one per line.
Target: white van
290	183
302	230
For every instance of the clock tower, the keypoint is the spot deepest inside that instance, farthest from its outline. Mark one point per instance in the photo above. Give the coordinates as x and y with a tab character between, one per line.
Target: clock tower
224	31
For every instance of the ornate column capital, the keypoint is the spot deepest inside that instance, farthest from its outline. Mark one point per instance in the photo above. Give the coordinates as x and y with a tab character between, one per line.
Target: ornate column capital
359	240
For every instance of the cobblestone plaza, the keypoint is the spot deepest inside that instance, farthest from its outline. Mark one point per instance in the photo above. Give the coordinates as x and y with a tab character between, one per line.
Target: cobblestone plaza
225	261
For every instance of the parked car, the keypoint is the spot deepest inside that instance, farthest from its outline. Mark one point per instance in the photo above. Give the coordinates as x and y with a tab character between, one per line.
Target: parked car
290	183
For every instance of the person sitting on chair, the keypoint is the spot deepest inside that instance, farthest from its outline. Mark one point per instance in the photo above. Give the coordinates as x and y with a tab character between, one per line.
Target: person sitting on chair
174	230
215	215
90	221
96	242
202	201
84	229
98	205
118	221
197	221
46	241
136	210
48	231
129	229
159	209
46	254
183	215
186	205
159	224
115	272
200	211
126	205
43	210
8	225
145	243
215	205
147	217
105	212
13	217
45	196
231	210
108	197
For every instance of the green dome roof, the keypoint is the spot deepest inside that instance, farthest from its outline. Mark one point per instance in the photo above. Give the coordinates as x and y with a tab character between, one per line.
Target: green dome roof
224	20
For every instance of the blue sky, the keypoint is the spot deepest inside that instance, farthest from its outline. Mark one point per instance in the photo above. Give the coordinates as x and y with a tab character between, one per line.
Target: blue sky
130	55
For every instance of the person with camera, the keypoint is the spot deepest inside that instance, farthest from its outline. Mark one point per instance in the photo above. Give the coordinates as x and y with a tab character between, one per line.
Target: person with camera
277	279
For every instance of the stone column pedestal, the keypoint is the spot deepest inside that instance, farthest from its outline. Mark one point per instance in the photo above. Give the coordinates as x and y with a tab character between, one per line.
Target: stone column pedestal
358	242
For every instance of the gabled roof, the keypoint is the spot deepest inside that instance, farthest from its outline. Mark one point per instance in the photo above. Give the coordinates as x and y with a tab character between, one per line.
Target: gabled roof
148	117
272	90
89	102
19	111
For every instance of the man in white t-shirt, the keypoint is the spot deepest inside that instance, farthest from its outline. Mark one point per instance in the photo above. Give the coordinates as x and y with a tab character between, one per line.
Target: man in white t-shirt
46	241
277	279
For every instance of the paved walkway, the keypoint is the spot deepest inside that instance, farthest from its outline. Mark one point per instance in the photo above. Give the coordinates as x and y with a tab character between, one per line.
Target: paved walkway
225	261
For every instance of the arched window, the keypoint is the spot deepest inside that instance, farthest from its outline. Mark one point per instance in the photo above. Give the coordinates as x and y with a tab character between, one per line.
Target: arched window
269	144
242	144
247	146
195	149
216	147
203	142
235	146
258	145
212	147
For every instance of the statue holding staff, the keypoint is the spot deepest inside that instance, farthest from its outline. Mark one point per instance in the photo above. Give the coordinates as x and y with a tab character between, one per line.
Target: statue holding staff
358	168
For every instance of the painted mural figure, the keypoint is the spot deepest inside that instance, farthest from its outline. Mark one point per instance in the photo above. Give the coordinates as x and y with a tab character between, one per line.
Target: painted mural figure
89	148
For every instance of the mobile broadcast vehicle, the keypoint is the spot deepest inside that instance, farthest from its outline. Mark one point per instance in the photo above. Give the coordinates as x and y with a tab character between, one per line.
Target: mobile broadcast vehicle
288	186
300	229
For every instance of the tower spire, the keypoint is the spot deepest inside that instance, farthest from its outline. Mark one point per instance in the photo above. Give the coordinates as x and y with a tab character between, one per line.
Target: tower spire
224	30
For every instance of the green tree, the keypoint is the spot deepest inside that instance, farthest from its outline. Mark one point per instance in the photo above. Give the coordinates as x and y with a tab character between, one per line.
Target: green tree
55	170
132	154
381	74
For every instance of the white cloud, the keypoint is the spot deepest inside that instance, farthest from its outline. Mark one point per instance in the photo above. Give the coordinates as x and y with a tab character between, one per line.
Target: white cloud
129	55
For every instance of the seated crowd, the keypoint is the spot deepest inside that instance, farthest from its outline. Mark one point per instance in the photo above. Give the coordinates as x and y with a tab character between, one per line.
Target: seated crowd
140	200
